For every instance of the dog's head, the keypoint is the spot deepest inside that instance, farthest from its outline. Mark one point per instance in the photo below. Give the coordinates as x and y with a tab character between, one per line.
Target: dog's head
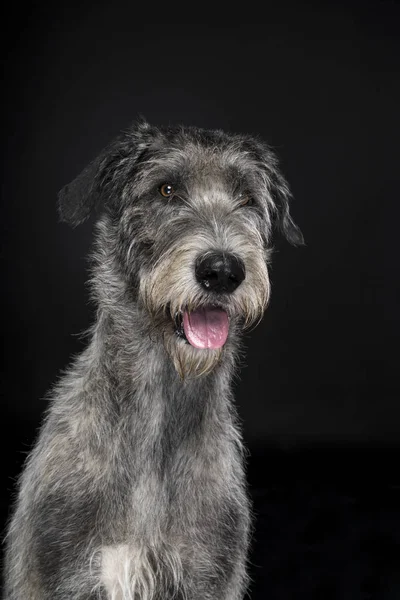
188	217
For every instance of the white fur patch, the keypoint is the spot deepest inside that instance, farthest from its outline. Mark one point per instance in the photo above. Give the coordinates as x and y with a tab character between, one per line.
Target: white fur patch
115	572
127	573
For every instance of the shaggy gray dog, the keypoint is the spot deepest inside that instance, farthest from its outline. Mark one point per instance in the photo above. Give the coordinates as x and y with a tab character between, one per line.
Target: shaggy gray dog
135	488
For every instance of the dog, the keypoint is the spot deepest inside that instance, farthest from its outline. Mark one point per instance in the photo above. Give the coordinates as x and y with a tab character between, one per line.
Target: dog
135	489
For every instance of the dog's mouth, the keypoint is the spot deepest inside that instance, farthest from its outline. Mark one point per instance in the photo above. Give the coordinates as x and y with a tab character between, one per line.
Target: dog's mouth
205	327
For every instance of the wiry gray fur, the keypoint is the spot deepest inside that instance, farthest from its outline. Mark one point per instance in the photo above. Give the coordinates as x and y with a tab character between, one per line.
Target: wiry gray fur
135	488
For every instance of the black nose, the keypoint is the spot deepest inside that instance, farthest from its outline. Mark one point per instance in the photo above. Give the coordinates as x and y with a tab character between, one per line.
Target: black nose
219	272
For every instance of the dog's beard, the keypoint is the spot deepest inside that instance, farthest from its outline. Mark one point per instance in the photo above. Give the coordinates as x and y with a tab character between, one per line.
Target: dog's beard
196	338
200	336
191	362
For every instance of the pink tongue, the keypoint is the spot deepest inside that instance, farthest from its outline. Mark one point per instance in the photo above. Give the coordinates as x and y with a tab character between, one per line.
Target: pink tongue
206	327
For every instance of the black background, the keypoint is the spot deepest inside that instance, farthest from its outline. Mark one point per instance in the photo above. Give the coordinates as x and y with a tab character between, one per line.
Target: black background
319	391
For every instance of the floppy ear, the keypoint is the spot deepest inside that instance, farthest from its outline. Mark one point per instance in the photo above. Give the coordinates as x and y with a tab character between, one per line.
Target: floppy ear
277	187
281	196
77	199
101	180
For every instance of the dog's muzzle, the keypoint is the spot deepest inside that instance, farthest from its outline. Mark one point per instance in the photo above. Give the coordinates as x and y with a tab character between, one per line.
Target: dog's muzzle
208	327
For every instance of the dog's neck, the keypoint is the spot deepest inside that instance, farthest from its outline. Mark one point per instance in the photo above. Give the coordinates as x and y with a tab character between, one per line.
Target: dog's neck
146	389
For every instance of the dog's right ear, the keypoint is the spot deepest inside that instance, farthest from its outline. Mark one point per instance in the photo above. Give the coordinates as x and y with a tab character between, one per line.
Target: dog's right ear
99	181
77	199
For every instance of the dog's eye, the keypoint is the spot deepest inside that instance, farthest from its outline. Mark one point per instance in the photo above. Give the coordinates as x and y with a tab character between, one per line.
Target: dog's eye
167	190
245	199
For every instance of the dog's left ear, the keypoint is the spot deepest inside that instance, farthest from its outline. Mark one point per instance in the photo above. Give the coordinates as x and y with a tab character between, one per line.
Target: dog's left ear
277	190
279	193
281	197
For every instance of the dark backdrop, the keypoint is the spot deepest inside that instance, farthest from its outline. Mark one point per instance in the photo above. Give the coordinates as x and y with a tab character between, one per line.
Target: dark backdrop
319	391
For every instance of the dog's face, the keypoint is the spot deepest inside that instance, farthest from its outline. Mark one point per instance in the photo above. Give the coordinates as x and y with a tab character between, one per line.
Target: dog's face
191	213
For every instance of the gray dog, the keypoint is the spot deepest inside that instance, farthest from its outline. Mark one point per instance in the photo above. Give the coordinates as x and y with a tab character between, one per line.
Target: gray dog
135	489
